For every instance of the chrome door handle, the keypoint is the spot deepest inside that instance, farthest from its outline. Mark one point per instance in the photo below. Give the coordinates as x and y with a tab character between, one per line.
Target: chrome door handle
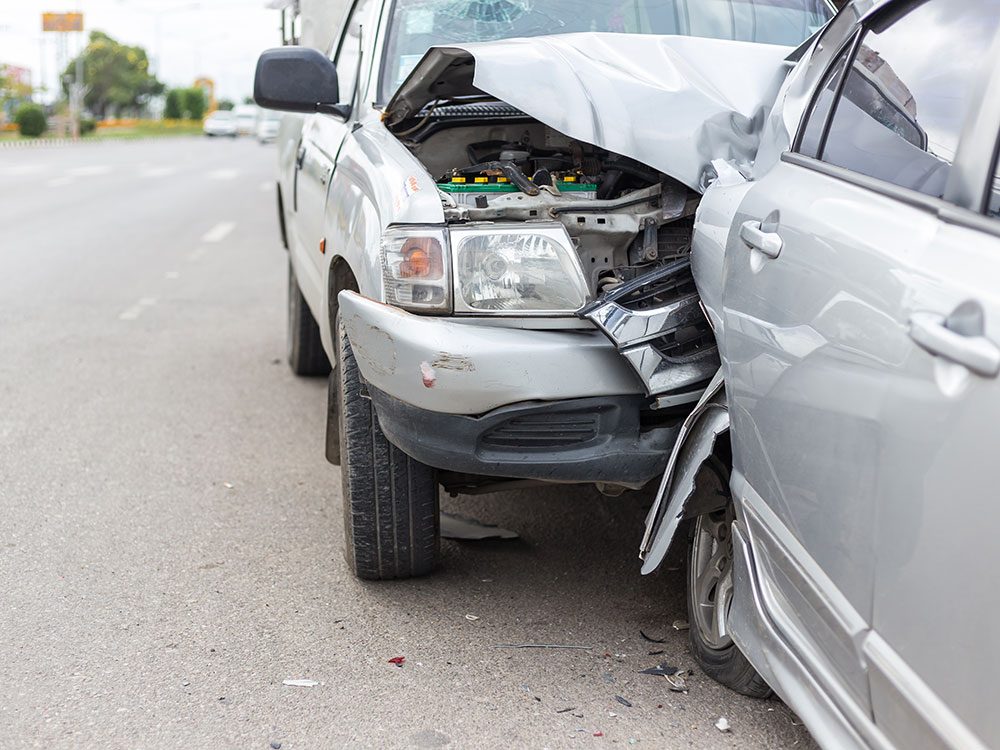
768	243
932	333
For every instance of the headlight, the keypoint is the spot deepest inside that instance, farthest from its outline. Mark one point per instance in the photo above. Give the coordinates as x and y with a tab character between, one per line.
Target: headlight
416	269
517	270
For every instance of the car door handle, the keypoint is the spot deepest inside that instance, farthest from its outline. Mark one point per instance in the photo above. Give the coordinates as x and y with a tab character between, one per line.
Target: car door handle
937	335
768	243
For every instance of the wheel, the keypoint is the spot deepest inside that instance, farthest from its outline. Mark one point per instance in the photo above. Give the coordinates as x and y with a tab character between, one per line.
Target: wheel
305	347
709	596
391	522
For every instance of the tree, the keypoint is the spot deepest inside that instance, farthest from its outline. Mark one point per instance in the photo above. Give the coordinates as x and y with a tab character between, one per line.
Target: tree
194	103
173	108
114	74
226	104
30	119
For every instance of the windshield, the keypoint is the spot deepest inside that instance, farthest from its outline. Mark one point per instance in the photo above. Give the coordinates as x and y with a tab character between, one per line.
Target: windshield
416	25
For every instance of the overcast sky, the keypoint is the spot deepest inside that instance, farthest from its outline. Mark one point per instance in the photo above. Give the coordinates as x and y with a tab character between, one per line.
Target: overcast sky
216	38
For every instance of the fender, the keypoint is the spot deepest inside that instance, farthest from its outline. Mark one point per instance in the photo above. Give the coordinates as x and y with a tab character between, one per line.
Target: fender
694	446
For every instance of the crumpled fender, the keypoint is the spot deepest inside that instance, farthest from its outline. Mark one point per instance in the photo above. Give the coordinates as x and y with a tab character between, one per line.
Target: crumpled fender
695	443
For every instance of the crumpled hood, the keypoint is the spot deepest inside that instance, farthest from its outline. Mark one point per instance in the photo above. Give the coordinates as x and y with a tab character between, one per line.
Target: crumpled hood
674	103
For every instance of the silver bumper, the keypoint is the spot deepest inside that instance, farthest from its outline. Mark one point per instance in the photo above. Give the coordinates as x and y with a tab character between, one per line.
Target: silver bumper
452	367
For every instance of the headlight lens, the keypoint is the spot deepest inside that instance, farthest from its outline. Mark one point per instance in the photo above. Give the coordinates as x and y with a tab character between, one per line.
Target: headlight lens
517	270
416	269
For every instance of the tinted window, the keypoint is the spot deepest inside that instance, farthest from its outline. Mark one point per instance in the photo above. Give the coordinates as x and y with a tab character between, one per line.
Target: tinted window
416	25
907	94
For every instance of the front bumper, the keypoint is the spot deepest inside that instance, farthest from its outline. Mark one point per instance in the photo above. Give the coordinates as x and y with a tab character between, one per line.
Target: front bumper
441	365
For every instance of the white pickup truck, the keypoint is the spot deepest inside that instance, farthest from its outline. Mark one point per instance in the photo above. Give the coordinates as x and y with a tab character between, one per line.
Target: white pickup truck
451	216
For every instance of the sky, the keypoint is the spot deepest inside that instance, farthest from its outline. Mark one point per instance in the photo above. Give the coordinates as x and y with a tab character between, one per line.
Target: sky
185	39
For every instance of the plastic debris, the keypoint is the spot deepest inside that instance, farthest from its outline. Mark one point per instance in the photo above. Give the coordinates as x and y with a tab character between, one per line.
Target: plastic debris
565	710
623	701
399	661
300	683
680	625
227	485
598	734
454	526
542	645
471	618
661	670
275	745
677	682
652	640
722	724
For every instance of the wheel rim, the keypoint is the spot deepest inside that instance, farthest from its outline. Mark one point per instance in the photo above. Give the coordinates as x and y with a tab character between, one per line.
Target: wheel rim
710	578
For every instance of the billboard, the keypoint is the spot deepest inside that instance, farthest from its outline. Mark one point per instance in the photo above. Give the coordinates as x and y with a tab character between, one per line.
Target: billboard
62	22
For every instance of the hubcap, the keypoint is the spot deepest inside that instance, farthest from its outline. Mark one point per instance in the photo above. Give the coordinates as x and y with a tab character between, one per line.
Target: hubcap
710	577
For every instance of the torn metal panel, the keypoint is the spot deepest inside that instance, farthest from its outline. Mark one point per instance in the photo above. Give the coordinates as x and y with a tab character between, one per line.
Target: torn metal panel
695	443
674	103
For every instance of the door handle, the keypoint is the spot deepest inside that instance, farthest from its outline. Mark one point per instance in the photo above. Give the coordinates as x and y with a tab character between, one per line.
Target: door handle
958	338
768	243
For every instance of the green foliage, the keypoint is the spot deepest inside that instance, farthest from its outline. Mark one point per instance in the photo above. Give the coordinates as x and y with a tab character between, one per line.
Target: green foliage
226	104
115	75
194	103
87	125
174	106
30	119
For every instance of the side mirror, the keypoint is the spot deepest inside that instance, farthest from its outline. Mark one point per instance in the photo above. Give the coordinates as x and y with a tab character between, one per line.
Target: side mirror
298	79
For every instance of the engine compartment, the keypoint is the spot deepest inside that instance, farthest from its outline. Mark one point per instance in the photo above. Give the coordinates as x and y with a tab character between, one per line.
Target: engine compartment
492	163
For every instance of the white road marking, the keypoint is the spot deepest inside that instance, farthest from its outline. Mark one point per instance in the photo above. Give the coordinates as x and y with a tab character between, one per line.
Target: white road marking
219	232
172	274
60	181
224	174
136	310
92	171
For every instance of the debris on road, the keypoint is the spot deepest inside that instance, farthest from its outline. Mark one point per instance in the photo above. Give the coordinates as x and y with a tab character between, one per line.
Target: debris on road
624	701
399	661
678	682
598	734
652	640
462	528
680	625
300	683
227	485
472	618
275	745
565	710
661	670
722	724
542	645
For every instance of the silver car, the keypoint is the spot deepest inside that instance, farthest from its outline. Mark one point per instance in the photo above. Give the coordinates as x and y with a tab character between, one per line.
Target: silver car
447	213
841	533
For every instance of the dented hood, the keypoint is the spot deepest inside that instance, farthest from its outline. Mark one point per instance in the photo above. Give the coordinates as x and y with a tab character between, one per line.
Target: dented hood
674	103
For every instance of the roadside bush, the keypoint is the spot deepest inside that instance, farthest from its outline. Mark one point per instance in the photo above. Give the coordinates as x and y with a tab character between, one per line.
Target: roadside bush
30	119
173	108
194	103
87	125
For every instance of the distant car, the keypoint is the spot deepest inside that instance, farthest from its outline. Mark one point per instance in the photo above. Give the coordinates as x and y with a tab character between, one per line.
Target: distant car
268	126
220	123
246	119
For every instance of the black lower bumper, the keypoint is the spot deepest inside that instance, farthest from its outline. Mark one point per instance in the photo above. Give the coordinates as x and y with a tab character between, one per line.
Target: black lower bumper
578	440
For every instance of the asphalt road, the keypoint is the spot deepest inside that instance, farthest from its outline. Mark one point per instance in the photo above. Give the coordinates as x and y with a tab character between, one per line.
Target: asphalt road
170	533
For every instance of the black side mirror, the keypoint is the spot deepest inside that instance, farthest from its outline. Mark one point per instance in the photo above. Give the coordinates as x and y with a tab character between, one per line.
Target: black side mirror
298	79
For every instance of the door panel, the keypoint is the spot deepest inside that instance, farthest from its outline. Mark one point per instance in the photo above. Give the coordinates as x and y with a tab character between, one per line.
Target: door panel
814	340
936	603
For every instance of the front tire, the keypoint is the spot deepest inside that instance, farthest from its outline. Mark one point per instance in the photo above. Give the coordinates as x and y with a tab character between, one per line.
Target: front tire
391	521
305	346
709	596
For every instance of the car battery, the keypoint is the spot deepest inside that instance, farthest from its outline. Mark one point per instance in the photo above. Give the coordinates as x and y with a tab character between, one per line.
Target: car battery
466	190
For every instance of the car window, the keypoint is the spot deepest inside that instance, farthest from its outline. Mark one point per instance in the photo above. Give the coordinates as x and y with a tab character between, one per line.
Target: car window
907	94
816	121
415	25
349	49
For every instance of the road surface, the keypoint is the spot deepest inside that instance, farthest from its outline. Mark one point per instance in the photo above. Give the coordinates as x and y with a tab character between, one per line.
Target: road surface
170	542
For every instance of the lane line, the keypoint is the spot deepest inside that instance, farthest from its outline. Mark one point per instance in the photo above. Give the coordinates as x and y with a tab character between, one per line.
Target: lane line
136	310
219	232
